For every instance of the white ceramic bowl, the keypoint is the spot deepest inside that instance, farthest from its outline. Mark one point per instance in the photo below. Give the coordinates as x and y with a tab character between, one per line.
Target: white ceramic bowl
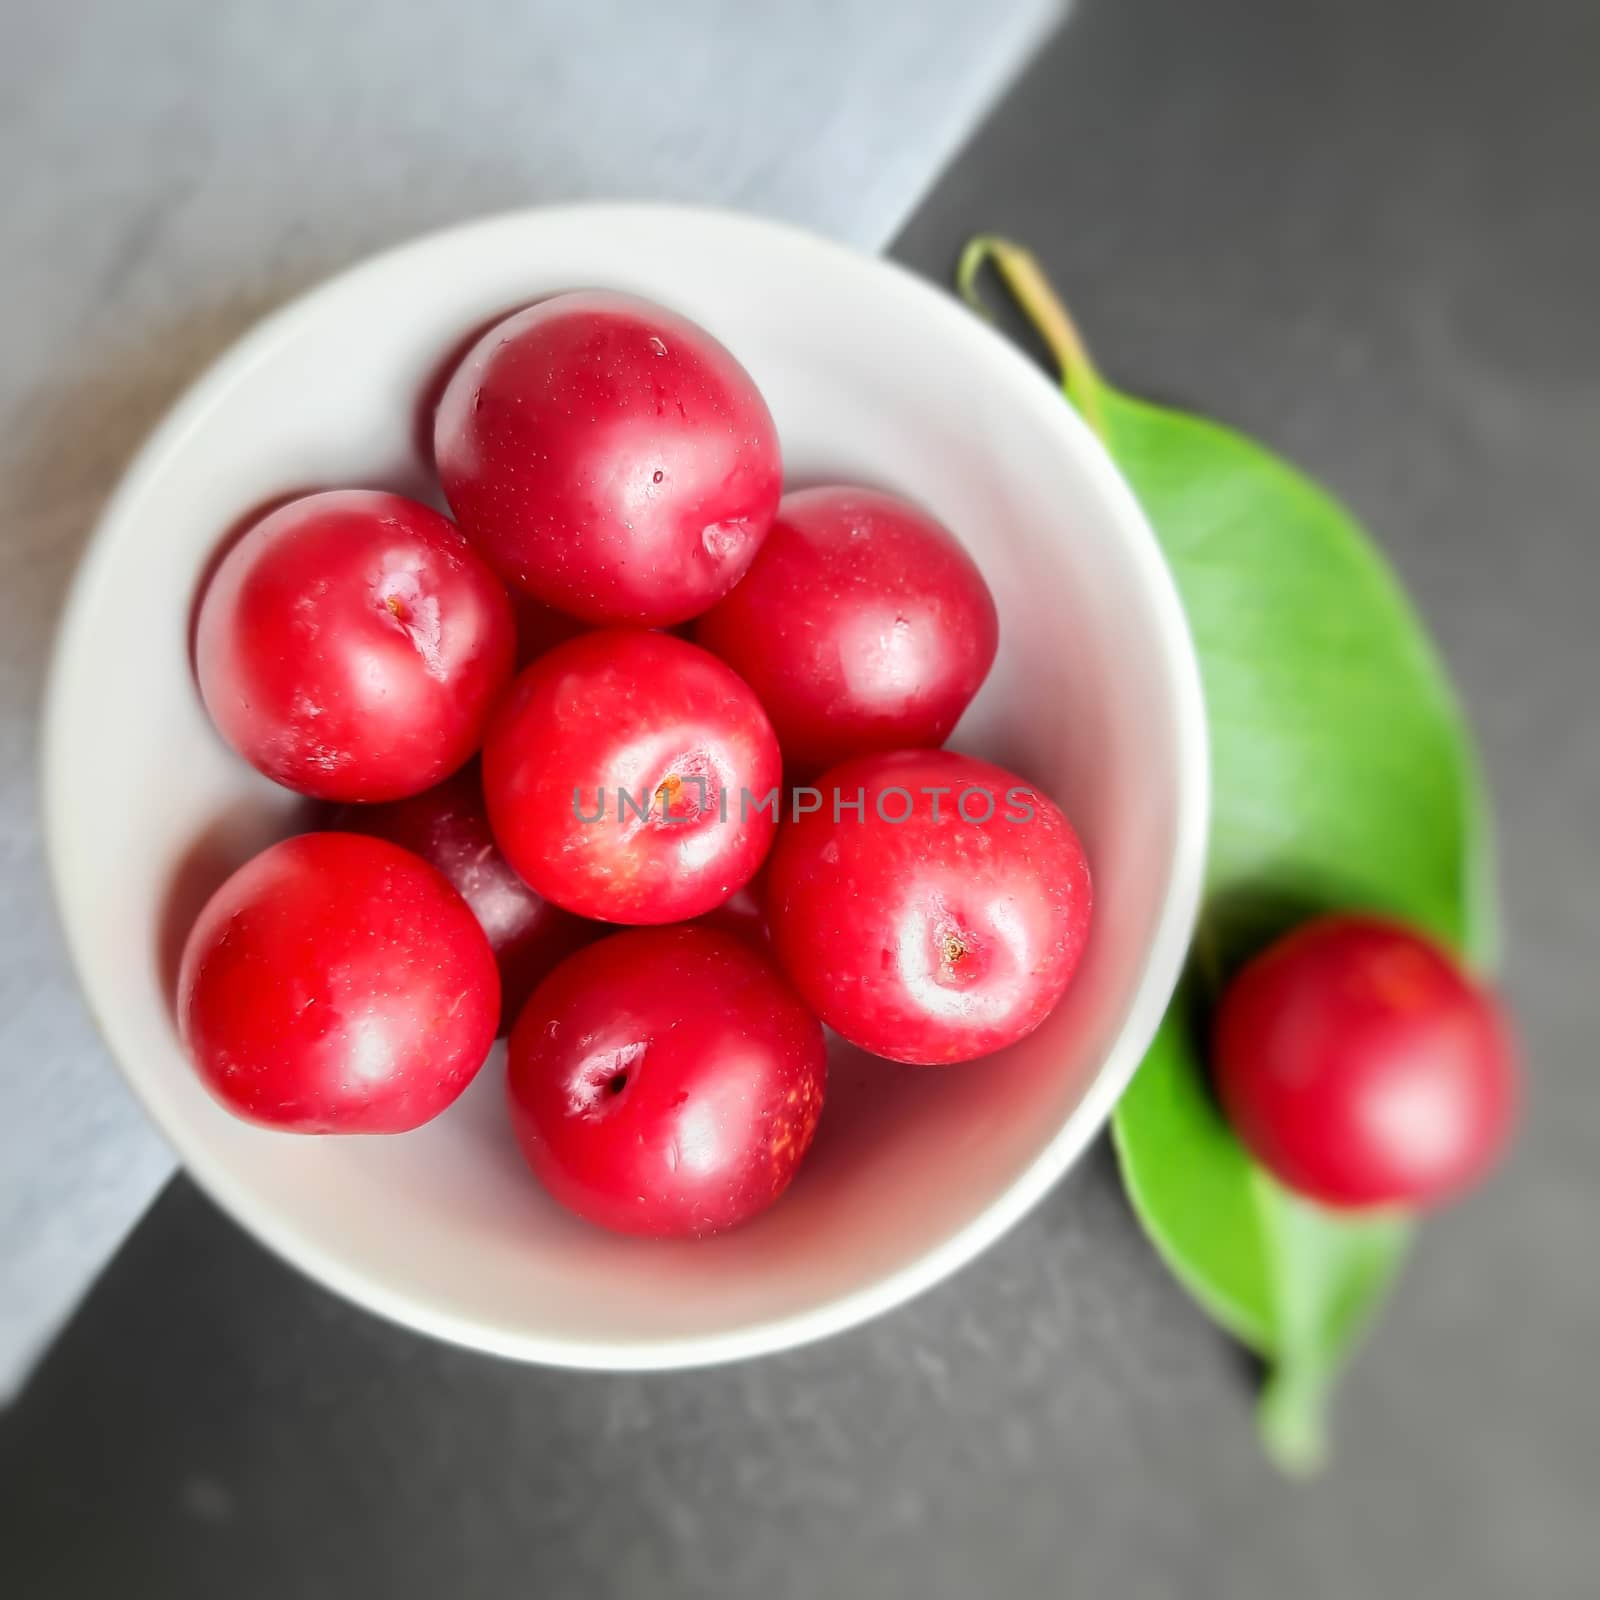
873	375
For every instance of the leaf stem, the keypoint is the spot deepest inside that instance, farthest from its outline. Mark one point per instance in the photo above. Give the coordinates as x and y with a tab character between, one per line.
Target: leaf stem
1291	1416
1033	292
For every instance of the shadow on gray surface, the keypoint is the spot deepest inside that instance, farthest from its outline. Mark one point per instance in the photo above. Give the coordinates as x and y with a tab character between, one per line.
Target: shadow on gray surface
214	1424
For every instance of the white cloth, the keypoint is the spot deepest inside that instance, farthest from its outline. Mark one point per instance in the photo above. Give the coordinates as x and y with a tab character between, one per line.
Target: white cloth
175	168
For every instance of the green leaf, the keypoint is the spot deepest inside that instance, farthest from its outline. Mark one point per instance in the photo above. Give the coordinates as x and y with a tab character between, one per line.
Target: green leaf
1330	1273
1344	777
1183	1167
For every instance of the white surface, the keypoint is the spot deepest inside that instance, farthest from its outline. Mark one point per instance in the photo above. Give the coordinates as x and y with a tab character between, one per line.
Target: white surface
176	167
871	375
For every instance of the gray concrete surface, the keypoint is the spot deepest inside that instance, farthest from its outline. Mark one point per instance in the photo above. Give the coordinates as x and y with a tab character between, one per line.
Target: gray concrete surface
1367	233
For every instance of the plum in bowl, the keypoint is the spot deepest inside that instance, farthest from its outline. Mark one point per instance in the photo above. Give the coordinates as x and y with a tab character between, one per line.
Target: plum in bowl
872	377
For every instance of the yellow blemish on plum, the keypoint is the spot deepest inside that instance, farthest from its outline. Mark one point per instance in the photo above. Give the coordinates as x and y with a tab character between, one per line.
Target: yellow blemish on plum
793	1128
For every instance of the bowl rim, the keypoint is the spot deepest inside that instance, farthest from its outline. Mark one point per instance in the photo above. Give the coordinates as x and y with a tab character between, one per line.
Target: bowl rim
1164	956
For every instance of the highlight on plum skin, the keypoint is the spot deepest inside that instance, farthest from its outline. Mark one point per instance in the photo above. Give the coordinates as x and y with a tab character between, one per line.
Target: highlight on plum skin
610	457
448	827
623	774
1363	1067
337	984
862	624
940	922
352	645
666	1082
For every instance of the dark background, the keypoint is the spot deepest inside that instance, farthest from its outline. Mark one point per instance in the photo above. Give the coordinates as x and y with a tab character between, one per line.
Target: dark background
1370	234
